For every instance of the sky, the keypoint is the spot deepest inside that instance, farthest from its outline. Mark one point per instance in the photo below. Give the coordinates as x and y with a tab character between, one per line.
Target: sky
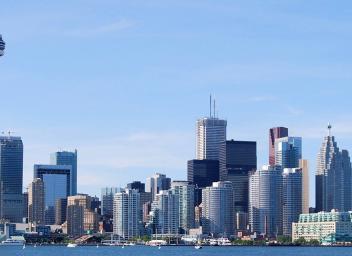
124	82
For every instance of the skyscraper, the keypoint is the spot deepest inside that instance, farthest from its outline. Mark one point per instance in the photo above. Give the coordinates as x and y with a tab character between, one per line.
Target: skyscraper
333	177
164	215
67	158
275	133
218	209
136	185
36	202
303	164
265	201
291	198
288	151
127	217
202	173
107	200
237	159
57	184
60	211
185	192
157	183
11	178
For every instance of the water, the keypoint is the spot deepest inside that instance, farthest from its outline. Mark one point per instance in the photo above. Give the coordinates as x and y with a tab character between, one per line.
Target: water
174	251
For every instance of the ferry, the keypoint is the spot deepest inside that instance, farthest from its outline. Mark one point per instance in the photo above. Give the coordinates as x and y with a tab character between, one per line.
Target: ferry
14	241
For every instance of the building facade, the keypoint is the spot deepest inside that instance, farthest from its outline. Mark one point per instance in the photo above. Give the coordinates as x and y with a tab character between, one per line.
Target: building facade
127	214
303	164
237	159
265	201
326	227
11	178
107	200
156	183
67	158
275	133
36	202
60	211
288	151
218	209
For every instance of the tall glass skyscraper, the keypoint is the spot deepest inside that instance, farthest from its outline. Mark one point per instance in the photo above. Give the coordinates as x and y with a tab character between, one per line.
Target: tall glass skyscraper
288	151
237	159
57	185
67	158
11	178
333	177
107	200
275	133
157	183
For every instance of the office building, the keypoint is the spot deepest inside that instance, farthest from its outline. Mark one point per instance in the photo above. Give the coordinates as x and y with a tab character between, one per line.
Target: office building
57	184
237	159
60	211
164	215
157	183
288	151
127	217
303	165
291	198
107	200
202	173
36	202
333	177
2	46
137	185
11	178
265	201
67	158
218	209
326	227
185	192
25	206
275	133
81	208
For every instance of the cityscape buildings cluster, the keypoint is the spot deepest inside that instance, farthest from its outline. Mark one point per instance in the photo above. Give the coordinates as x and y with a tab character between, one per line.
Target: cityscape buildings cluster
225	194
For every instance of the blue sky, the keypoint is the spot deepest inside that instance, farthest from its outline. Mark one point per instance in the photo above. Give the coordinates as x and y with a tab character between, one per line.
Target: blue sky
125	81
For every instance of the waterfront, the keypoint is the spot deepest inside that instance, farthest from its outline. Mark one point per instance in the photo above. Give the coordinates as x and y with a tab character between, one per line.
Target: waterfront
174	250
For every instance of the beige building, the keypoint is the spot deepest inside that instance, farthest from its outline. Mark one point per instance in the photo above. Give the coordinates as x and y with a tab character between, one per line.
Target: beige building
303	164
36	202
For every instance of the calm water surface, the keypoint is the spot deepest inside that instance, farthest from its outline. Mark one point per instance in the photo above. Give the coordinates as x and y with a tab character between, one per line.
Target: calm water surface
175	250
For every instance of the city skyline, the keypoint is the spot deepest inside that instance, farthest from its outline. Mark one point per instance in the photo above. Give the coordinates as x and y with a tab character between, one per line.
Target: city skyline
114	106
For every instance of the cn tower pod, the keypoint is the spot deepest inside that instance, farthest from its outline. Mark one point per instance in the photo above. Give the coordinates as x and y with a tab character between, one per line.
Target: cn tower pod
2	46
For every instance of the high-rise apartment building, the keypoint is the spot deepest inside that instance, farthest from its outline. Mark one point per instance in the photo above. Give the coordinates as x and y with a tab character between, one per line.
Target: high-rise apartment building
333	177
11	178
237	159
265	201
185	192
288	151
107	200
275	133
36	202
303	165
127	217
164	215
57	184
67	158
218	209
291	198
157	183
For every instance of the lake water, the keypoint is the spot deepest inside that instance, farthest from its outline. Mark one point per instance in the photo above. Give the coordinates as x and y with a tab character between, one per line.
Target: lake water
174	251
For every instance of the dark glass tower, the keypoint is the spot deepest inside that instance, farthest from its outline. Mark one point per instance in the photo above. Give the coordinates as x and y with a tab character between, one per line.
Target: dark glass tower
136	185
275	133
2	46
67	158
237	159
11	178
202	173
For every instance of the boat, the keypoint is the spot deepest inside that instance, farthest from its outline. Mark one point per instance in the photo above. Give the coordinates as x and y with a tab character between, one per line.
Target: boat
156	243
71	245
198	247
14	241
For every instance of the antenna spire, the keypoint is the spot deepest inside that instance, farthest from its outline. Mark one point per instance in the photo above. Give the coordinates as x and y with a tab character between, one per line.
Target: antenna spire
214	109
329	128
210	106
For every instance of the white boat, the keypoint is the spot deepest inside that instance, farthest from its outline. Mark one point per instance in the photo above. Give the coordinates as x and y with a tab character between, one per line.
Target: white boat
156	243
14	241
71	245
198	247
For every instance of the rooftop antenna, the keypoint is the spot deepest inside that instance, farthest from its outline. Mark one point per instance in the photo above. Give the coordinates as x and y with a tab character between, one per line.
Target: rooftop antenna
214	110
210	106
329	127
